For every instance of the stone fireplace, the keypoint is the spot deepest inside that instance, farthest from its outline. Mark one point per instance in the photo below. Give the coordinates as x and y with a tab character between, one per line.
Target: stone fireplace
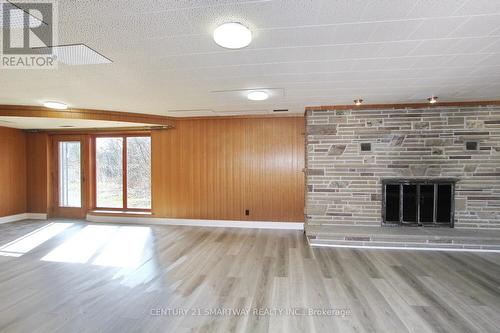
352	153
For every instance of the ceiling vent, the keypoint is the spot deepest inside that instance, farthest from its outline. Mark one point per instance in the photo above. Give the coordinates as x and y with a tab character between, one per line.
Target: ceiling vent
77	55
190	112
280	110
242	112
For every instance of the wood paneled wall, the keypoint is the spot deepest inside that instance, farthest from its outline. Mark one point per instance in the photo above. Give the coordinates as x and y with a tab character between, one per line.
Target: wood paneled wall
37	173
202	169
218	168
12	171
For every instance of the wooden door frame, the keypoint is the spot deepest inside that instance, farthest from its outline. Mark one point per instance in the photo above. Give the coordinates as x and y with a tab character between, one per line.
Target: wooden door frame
55	209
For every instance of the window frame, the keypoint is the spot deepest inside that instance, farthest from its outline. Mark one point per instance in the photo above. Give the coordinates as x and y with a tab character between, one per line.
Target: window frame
124	137
59	183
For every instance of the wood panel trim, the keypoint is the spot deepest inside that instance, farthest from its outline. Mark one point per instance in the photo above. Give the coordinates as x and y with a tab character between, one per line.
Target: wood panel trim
85	114
100	131
403	106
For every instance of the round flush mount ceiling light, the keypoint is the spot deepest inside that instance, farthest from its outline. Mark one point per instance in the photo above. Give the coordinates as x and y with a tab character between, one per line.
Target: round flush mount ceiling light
55	105
358	101
232	35
432	99
258	96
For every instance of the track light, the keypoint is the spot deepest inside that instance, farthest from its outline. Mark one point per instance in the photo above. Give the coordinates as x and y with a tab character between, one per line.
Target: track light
358	101
258	96
432	99
55	105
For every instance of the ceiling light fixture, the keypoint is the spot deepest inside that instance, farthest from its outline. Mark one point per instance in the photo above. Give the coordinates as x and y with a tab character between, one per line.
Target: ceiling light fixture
232	35
432	99
55	105
258	96
358	101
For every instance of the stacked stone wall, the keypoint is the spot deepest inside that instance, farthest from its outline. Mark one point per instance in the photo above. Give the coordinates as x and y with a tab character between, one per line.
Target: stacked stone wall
344	182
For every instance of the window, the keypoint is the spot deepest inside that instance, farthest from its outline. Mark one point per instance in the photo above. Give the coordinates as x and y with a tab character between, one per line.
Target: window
123	172
139	172
109	172
70	179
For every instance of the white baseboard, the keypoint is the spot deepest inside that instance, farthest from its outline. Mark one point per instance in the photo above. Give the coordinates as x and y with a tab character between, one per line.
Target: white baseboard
23	216
401	248
197	223
36	216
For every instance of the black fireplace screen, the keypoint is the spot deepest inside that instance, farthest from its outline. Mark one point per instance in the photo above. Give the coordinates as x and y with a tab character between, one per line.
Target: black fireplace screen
418	202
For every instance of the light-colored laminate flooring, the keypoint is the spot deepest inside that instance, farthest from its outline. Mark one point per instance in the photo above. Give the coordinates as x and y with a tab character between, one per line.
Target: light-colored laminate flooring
72	276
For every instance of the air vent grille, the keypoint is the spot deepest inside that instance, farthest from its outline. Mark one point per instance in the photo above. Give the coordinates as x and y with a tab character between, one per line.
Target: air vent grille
77	55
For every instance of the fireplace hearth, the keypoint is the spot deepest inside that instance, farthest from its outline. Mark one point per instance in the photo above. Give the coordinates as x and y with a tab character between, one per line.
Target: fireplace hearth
418	202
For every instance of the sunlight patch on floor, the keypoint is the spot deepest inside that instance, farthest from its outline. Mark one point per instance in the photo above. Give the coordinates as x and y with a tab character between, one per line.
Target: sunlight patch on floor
82	246
125	249
28	242
104	245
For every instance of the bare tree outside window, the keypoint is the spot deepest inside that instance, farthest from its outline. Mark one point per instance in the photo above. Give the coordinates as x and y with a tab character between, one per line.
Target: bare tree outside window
70	190
109	172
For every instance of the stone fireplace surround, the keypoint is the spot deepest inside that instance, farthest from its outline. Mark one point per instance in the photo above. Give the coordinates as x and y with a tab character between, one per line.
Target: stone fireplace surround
344	181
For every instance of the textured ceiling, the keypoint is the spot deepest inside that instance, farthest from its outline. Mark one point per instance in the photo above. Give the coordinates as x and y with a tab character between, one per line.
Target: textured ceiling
307	52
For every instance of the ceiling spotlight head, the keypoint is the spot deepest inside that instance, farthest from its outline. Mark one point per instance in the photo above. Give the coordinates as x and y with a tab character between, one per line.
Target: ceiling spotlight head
258	96
232	35
358	101
432	99
55	105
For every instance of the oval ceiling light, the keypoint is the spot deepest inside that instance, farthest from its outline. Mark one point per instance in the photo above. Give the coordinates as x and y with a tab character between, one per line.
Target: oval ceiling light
55	105
232	35
258	96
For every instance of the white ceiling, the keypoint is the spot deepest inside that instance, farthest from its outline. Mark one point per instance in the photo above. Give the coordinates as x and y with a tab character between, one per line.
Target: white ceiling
307	52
